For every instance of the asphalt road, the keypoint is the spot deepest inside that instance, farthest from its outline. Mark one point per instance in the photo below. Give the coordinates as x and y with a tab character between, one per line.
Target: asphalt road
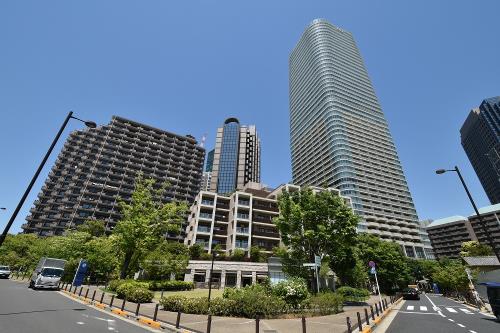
436	314
24	310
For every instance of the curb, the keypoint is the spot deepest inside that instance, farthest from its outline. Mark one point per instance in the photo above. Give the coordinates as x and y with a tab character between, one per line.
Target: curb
378	320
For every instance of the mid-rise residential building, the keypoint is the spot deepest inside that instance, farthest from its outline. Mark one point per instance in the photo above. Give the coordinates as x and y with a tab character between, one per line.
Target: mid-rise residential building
480	136
205	181
339	135
97	167
236	157
239	220
491	224
448	234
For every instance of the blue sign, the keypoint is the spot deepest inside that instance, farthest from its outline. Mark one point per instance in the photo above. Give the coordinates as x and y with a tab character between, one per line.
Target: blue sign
373	271
81	272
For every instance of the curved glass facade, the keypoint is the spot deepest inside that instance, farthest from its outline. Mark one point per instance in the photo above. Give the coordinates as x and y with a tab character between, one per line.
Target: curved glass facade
339	136
228	165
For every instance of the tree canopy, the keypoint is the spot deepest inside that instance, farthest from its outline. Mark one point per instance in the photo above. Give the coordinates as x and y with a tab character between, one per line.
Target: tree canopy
475	249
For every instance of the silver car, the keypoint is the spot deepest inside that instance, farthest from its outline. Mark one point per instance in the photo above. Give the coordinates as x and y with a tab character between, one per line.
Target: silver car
4	272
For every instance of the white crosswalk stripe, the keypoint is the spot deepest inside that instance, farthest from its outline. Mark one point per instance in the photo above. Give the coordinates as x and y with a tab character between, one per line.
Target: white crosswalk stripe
410	308
466	311
423	308
451	310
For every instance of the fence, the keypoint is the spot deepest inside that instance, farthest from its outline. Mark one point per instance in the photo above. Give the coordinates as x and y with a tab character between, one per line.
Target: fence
152	315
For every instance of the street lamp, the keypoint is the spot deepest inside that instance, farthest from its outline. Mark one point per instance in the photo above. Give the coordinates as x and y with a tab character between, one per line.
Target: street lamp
214	255
481	222
89	124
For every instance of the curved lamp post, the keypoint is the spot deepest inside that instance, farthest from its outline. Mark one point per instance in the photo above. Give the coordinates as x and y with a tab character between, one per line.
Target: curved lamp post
481	222
89	124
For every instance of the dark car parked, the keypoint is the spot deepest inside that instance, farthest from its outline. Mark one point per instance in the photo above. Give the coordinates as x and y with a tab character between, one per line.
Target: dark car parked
411	293
493	290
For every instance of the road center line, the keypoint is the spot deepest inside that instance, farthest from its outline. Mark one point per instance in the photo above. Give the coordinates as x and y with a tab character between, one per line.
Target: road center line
471	331
451	310
434	307
451	320
460	325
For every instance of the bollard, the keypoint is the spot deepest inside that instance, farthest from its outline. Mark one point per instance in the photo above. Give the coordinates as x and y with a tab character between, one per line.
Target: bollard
381	307
74	291
349	328
367	317
102	297
209	323
80	293
386	304
87	293
93	295
123	304
111	303
161	294
257	324
360	326
371	310
376	309
156	312
137	309
303	325
178	321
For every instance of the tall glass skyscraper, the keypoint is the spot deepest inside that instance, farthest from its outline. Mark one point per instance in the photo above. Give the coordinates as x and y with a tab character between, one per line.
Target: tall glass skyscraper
480	136
236	157
339	136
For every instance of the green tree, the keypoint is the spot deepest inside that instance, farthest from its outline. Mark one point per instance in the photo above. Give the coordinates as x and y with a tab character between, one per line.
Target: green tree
21	251
103	257
392	267
166	259
475	249
95	228
451	276
314	224
195	251
256	254
145	220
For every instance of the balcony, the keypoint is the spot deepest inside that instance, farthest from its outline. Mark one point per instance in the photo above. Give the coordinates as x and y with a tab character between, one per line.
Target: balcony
206	216
266	233
203	229
244	202
241	245
242	231
243	216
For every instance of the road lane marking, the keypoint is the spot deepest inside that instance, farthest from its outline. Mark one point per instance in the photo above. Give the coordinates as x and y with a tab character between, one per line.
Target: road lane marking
461	325
435	308
410	308
466	311
423	308
80	322
471	331
451	310
421	313
451	320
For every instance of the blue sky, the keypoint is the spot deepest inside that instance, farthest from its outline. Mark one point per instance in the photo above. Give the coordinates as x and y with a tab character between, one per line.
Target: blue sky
185	66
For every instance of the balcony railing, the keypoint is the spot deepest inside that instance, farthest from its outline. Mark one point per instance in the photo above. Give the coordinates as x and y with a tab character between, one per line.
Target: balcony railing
203	229
206	215
242	231
243	216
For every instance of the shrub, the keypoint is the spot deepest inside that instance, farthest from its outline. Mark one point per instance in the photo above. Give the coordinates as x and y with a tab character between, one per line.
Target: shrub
173	303
326	303
170	285
238	254
205	256
114	284
354	294
293	291
136	292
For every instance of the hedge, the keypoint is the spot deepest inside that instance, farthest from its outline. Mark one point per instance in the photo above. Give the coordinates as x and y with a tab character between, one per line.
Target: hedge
170	285
166	285
354	294
136	292
326	303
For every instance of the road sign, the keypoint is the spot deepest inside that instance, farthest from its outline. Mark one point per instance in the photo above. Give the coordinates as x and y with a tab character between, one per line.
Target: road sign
80	273
317	261
371	264
373	271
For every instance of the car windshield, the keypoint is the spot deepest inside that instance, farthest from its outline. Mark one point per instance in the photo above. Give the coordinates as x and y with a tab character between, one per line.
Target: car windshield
4	268
410	290
52	272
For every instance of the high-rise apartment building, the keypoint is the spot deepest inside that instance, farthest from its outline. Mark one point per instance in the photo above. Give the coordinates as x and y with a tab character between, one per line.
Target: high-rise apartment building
98	166
339	136
426	242
480	136
236	157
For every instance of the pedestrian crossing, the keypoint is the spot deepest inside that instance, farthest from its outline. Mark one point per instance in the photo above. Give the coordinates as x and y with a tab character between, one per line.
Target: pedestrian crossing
423	308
